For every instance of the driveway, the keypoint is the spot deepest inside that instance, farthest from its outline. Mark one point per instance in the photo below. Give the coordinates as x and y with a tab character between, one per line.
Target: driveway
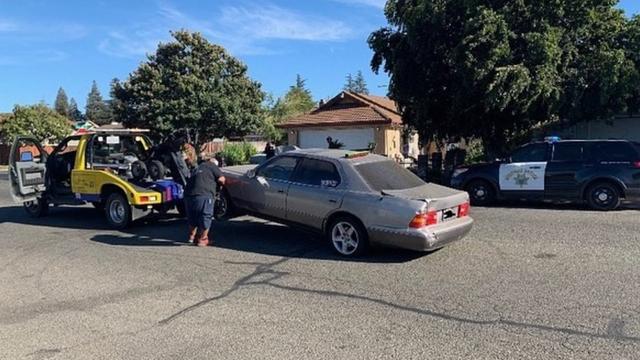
527	283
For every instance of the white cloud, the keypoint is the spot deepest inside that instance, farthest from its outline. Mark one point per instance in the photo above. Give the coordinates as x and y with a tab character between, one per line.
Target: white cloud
26	43
7	26
244	30
375	3
272	22
32	57
42	32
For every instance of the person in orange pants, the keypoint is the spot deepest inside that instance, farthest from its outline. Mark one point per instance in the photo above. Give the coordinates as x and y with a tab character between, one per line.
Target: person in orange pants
199	198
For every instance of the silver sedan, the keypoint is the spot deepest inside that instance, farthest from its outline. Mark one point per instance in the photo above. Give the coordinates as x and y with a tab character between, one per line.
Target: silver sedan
354	198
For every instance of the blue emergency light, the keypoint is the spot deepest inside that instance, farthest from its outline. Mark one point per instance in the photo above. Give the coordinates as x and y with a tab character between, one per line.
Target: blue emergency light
552	139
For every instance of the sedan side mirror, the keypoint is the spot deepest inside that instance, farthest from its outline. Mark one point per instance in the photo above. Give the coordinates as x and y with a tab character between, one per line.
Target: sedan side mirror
251	173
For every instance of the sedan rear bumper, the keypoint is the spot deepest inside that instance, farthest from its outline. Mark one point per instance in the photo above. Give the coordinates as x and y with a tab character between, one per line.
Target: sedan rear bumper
427	239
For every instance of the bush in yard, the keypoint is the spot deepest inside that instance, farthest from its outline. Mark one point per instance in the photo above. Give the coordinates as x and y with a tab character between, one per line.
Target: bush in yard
238	153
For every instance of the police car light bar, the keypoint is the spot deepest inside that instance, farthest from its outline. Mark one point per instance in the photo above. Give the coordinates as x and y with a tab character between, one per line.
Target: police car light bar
552	139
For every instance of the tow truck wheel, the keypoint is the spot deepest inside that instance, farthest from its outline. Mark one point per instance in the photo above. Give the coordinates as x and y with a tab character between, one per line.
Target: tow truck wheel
118	211
37	208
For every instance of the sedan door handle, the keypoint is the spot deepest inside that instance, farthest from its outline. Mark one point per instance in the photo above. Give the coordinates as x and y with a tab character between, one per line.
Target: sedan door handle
280	191
333	201
535	167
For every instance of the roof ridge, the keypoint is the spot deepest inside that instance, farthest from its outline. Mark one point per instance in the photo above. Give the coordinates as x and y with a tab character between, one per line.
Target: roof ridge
374	108
365	98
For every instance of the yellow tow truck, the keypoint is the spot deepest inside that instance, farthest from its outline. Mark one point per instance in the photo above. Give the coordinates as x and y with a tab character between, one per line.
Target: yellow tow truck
115	170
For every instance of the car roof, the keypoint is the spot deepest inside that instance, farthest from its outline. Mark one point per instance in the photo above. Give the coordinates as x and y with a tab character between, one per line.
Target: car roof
579	141
339	154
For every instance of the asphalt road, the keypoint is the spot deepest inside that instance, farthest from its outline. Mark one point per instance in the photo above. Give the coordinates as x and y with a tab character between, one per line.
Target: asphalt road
541	283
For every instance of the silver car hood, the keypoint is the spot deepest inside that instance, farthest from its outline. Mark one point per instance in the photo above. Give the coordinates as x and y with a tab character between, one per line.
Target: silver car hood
436	196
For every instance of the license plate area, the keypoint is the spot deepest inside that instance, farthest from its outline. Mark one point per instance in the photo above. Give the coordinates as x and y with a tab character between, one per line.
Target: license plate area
449	214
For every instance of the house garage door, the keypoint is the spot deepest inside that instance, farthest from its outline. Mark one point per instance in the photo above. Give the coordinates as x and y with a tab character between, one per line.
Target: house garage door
351	138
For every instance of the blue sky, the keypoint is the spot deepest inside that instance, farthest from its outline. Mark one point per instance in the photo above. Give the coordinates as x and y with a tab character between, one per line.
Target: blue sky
48	44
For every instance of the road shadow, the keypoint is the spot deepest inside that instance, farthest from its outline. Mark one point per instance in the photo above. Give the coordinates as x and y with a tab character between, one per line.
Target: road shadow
244	234
546	205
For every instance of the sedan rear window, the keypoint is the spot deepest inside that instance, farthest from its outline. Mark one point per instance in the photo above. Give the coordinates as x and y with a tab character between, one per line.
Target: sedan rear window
387	175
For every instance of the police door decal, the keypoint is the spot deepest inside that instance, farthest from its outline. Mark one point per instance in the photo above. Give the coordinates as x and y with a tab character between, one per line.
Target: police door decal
527	176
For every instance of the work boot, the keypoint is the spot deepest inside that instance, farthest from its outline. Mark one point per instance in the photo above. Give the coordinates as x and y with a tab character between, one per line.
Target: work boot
193	231
203	239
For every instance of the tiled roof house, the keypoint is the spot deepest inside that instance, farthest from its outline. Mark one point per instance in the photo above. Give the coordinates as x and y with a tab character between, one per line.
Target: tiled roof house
358	121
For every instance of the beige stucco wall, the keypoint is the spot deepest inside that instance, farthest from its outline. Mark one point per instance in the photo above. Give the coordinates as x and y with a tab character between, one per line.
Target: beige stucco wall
388	139
393	141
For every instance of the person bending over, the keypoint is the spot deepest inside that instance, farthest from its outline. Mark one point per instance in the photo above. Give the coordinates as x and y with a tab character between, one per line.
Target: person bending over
199	198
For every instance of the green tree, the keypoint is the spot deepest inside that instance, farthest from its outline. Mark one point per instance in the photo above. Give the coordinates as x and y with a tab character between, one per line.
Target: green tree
62	103
356	84
38	121
297	101
348	83
190	84
496	69
359	84
631	41
98	110
74	114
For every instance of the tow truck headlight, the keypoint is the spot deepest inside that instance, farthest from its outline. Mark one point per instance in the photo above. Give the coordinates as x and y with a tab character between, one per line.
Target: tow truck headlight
459	171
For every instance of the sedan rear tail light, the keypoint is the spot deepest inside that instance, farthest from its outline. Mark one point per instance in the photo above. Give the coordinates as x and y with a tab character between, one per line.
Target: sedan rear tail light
463	210
636	164
424	219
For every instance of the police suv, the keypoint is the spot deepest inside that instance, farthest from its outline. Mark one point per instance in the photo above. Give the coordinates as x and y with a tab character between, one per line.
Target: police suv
601	173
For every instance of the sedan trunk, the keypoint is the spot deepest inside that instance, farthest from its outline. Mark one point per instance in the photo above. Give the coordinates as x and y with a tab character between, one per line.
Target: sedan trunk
437	197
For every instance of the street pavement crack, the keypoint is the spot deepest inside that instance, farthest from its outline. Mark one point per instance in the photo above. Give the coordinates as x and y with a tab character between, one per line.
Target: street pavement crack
614	330
261	269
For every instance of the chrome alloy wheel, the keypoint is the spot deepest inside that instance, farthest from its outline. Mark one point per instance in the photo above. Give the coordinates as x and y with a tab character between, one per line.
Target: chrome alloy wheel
345	238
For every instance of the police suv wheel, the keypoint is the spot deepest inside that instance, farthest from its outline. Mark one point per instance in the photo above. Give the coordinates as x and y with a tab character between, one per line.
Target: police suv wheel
118	211
603	196
481	192
348	236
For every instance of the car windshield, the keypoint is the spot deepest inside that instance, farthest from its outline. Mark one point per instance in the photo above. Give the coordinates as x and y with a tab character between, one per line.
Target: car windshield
388	175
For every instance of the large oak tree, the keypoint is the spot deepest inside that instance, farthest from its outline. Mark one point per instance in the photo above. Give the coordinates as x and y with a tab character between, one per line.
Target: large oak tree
190	84
496	68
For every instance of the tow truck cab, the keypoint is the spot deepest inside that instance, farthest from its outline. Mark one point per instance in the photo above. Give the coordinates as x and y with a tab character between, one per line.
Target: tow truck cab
106	168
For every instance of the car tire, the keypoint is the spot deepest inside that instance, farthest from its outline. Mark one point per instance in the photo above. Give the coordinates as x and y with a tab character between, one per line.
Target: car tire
118	211
37	208
156	169
223	208
348	237
481	192
603	196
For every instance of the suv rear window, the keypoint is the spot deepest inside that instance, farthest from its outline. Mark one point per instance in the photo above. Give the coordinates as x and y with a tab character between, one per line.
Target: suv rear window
387	175
612	151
